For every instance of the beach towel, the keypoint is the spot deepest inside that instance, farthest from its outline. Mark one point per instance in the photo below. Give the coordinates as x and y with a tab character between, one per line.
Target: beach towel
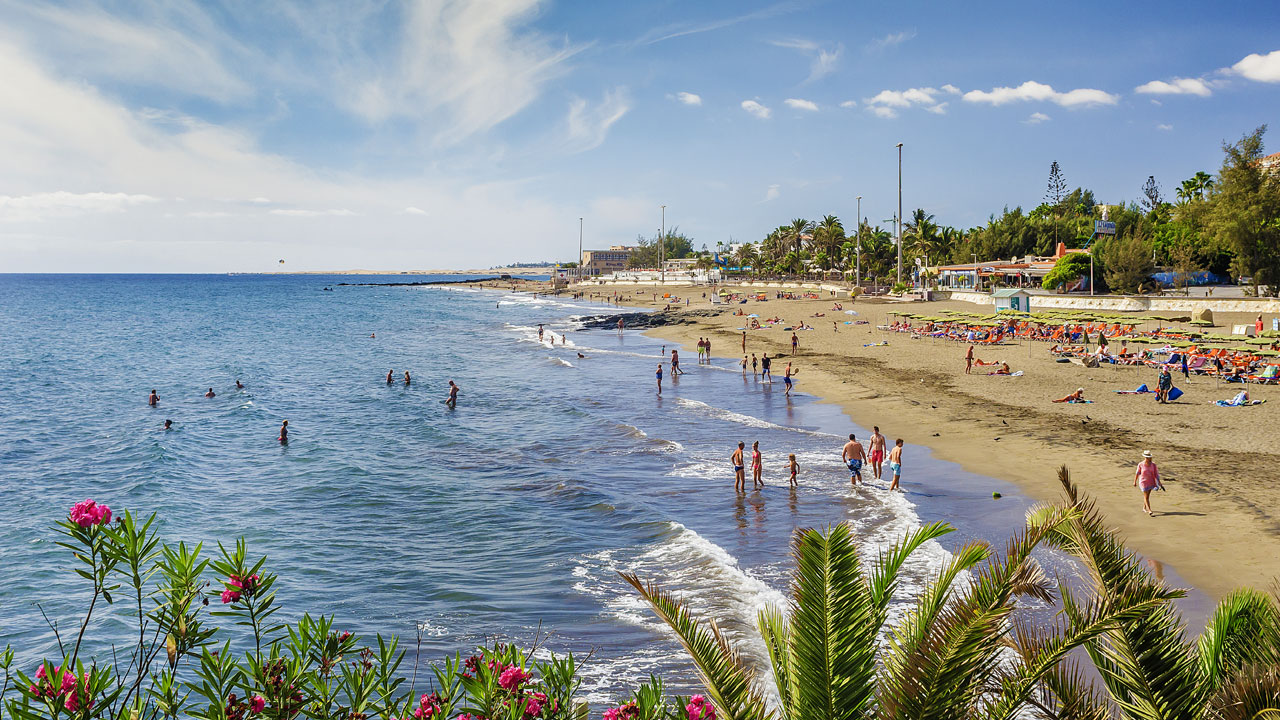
1240	400
1079	402
1175	393
1012	374
1142	390
876	344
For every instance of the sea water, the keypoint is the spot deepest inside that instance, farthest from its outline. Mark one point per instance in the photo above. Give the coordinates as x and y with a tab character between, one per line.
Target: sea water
507	517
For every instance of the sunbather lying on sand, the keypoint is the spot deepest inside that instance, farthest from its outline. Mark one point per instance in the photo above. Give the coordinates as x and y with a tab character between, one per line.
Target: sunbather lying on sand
1075	397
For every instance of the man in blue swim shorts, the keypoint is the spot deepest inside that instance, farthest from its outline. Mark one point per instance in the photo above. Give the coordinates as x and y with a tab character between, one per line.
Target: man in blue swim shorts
853	456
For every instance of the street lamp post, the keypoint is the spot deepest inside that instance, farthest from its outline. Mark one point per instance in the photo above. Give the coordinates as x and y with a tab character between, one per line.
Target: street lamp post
858	248
899	212
1090	271
662	247
580	268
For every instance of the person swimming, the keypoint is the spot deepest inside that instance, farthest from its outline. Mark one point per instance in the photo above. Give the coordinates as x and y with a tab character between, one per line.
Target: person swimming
210	393
168	424
407	379
284	433
239	385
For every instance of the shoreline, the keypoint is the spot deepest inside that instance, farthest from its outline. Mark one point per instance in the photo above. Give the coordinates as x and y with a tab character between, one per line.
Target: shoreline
1215	539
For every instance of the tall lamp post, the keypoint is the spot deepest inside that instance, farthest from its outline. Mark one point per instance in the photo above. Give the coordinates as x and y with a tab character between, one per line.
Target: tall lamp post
580	268
858	247
662	247
899	212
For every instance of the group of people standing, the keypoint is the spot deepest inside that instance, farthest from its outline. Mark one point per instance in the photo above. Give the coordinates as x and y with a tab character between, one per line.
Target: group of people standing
854	455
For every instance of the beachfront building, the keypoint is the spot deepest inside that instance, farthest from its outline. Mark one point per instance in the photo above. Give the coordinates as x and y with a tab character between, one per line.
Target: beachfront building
1027	271
1271	163
605	262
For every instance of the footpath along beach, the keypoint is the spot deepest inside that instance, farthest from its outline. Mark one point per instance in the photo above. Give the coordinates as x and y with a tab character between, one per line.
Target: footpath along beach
1217	524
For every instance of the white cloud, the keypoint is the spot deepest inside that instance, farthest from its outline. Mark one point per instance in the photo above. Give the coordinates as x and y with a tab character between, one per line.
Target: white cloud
467	65
414	211
950	89
798	104
848	104
38	206
589	125
756	109
1036	118
1262	68
1178	86
1032	90
261	201
884	102
891	40
689	98
178	48
771	193
332	212
1165	127
796	44
824	63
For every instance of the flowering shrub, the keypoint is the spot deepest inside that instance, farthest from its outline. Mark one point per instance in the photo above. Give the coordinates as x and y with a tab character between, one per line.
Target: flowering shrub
181	664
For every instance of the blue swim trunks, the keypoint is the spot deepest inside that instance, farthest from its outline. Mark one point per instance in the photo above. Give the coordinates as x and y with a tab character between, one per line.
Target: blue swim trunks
896	468
855	466
786	380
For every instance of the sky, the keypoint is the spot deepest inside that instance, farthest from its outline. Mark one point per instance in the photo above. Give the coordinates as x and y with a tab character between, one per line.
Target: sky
174	136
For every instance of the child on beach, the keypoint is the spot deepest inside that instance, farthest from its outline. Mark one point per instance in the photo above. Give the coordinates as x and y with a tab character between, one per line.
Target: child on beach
895	463
794	468
744	366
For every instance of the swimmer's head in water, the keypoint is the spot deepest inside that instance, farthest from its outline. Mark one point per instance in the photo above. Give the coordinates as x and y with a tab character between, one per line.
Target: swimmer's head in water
168	424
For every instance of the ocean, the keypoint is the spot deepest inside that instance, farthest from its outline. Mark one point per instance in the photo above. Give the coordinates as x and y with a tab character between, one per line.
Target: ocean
508	517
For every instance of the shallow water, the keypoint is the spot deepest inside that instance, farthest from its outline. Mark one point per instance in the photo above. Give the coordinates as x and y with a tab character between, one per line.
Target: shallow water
512	513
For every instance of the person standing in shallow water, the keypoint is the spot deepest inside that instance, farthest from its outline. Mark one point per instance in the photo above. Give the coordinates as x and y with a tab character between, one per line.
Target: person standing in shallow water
877	452
453	395
390	378
895	463
853	455
284	433
407	380
153	399
739	469
659	378
757	467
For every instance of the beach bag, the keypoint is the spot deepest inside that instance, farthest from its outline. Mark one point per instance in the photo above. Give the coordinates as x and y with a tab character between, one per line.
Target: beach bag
1175	393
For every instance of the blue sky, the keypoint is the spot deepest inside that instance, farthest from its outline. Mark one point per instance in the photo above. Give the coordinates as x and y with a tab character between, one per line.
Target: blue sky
190	137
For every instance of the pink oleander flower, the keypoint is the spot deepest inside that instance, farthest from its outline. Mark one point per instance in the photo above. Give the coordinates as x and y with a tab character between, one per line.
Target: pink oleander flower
229	596
428	706
533	704
88	513
40	673
626	711
699	708
257	703
69	682
512	677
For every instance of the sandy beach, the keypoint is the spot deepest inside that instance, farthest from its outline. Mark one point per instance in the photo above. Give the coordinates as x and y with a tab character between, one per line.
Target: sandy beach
1217	523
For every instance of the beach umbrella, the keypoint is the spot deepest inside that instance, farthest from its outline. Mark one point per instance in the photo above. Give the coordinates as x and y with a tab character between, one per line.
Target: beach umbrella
1258	341
1267	353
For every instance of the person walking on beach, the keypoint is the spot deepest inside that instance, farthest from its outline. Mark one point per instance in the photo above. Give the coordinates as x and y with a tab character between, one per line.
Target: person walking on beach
390	379
895	463
795	467
1164	385
153	399
754	364
739	469
757	467
453	395
786	377
619	327
744	341
795	341
1147	478
853	455
210	393
877	451
764	367
1186	374
968	361
284	433
659	378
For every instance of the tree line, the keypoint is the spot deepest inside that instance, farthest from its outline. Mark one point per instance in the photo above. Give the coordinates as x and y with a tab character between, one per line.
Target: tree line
1228	224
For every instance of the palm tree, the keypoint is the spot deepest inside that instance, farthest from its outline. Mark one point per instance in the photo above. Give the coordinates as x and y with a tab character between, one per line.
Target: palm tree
1148	667
746	256
920	236
943	661
1203	182
793	235
1187	190
828	235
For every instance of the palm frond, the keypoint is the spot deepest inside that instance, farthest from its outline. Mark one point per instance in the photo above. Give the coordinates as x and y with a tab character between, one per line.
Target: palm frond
729	682
1244	629
776	634
832	628
1253	694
